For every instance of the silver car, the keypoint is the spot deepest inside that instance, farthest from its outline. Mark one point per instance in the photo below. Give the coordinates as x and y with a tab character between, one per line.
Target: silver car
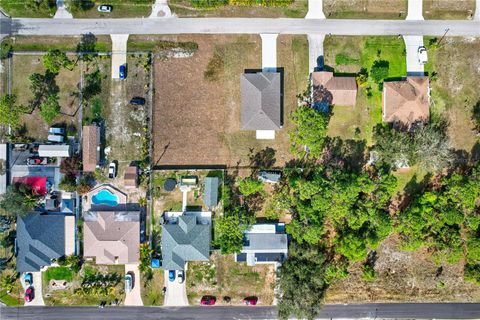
104	8
180	276
128	282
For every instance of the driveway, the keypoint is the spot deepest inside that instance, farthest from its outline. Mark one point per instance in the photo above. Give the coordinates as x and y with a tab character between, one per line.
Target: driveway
176	295
119	53
160	9
477	10
315	51
315	10
37	289
62	12
134	297
415	10
414	68
269	51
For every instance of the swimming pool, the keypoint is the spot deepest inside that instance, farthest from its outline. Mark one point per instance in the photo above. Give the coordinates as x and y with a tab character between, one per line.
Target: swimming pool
105	197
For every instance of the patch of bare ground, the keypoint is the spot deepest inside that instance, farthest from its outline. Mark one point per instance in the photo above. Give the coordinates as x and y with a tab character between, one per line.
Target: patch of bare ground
448	9
404	276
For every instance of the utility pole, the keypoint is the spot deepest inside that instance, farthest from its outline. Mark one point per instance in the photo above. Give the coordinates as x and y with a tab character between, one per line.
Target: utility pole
446	30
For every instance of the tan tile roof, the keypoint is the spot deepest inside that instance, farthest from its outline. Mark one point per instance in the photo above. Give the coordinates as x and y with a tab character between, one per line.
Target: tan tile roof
343	89
91	152
112	237
130	177
406	101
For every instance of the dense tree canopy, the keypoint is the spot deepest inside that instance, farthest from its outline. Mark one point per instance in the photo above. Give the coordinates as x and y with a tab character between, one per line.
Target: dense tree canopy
229	231
10	111
56	59
50	109
249	186
18	199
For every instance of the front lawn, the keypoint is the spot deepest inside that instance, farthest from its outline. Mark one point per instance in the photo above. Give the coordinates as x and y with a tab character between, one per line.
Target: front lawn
152	287
58	273
28	9
121	9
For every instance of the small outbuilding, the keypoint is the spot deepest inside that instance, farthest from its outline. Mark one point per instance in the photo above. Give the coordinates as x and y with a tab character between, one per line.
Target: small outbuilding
270	176
91	148
210	196
130	178
54	150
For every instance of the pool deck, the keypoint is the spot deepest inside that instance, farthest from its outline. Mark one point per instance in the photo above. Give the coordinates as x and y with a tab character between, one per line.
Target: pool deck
89	205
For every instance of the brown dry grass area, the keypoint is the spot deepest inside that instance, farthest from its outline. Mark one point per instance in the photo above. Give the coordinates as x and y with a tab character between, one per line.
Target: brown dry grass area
365	9
228	278
448	9
197	122
404	276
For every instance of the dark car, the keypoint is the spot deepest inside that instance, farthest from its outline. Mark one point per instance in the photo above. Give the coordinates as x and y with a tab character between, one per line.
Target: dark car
208	300
122	72
36	161
138	101
250	301
29	294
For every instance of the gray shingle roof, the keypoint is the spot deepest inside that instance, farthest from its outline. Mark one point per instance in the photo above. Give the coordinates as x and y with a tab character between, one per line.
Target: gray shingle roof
40	238
265	241
210	196
260	101
185	241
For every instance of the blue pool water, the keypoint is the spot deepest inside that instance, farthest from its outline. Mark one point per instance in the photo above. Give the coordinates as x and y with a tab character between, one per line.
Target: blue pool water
105	197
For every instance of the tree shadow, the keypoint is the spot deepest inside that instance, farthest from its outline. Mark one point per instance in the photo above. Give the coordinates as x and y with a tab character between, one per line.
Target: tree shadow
263	159
349	154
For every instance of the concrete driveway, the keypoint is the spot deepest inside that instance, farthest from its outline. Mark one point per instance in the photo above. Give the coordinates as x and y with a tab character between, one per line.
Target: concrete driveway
269	51
134	297
414	68
415	10
315	10
315	51
160	9
176	295
119	53
62	12
37	289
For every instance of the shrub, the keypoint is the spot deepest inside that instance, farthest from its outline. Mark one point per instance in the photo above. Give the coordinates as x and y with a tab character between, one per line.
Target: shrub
379	70
250	186
368	273
215	67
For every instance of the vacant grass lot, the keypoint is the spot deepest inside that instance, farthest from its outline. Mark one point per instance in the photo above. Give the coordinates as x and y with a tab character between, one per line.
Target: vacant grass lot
152	289
223	277
447	9
25	9
68	83
365	9
183	8
44	43
199	124
121	9
348	55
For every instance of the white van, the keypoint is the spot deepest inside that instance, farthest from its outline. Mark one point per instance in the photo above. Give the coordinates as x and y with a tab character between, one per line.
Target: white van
55	138
54	130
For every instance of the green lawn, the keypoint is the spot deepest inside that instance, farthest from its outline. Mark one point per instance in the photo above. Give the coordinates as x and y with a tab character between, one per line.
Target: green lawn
24	9
121	9
43	43
58	273
9	300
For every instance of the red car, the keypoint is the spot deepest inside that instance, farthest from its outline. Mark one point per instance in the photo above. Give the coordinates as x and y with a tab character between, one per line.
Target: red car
250	301
29	294
208	300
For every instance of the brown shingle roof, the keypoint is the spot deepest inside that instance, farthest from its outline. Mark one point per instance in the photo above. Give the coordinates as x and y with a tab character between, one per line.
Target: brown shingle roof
130	177
406	101
112	237
343	89
91	150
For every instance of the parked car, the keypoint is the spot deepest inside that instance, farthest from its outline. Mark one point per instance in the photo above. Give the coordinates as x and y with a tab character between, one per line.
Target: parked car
28	279
250	301
138	101
128	282
181	276
171	275
36	161
122	72
208	300
55	138
112	170
105	8
55	130
29	294
422	55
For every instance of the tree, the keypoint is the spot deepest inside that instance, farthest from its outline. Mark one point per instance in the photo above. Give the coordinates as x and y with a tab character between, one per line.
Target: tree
18	199
379	70
6	49
249	186
10	112
86	48
145	257
310	131
93	85
42	86
50	109
56	59
229	233
301	282
7	281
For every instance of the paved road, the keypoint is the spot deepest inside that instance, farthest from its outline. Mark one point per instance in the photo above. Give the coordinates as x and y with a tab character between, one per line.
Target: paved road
389	311
29	26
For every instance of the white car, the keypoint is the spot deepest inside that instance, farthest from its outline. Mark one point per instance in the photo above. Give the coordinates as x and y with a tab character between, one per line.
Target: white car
112	170
422	55
104	8
128	282
180	276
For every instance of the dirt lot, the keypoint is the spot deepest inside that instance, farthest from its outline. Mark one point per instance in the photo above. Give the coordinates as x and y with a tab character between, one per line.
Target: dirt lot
197	122
67	81
404	276
223	277
448	9
365	9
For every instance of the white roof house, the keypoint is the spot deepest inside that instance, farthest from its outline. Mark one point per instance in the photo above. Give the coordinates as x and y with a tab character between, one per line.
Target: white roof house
3	167
54	150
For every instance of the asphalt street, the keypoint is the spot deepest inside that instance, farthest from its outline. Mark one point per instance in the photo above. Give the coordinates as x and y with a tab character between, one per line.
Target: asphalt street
27	26
378	311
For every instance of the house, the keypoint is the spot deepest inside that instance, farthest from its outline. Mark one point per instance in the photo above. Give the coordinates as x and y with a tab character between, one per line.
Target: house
406	101
269	176
261	103
264	243
43	237
210	195
54	150
185	239
332	90
3	167
91	148
130	178
112	237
